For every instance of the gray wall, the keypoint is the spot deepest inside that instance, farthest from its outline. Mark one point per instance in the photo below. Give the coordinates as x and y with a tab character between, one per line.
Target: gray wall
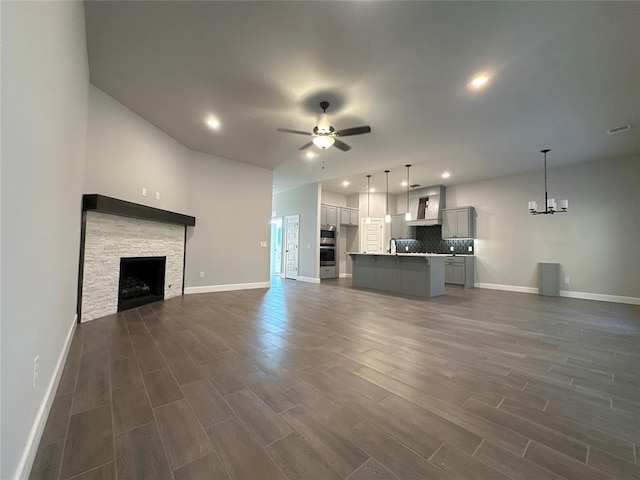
596	243
333	198
304	201
45	81
230	200
232	205
126	153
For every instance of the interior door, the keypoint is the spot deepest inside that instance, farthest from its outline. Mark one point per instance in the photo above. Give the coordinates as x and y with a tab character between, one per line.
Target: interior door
293	233
371	239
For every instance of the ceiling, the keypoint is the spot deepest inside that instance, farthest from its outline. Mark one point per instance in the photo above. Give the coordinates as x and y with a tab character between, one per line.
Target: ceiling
561	75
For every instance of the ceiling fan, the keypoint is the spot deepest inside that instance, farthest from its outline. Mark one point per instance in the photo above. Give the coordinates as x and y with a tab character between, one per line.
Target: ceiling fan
324	135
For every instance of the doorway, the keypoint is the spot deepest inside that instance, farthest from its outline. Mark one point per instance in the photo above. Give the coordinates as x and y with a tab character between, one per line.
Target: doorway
276	246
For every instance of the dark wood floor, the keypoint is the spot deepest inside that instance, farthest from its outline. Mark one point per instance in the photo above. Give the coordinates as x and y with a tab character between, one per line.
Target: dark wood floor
308	381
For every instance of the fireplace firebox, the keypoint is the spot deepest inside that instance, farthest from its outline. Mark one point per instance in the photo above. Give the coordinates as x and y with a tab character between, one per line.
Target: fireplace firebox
141	281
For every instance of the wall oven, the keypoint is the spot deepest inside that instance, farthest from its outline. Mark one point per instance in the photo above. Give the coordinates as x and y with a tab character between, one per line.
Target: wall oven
327	256
328	236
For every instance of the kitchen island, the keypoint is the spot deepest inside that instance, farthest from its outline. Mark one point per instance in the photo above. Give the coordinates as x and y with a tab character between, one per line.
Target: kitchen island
417	274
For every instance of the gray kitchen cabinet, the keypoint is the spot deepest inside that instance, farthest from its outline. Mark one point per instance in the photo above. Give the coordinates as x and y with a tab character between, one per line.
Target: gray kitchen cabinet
399	227
459	271
328	215
349	216
328	272
458	223
355	217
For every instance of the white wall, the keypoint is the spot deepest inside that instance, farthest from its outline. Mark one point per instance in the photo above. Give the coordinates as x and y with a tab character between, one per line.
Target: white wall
230	200
333	198
45	82
596	243
232	205
304	201
126	153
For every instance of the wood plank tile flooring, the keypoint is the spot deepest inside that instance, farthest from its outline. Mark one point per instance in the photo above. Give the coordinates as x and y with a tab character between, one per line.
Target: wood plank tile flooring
307	381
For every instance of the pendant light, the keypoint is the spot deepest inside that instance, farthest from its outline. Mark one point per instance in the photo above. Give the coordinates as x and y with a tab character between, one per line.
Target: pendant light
407	215
387	217
550	203
368	219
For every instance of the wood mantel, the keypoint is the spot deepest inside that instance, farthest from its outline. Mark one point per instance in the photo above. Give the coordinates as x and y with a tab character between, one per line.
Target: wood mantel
103	204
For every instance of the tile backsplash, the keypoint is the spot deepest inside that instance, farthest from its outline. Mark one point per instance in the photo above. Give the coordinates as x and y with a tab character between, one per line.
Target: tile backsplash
429	240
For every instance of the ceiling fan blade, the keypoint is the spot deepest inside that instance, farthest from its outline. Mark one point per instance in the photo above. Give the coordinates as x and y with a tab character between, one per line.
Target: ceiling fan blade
340	145
353	131
305	146
288	130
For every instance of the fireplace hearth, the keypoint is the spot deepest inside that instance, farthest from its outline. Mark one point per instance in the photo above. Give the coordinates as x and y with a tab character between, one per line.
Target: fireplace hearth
141	281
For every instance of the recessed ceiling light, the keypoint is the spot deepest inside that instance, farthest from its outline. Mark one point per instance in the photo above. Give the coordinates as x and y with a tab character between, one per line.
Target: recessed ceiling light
310	155
404	183
345	183
479	81
372	190
213	123
446	175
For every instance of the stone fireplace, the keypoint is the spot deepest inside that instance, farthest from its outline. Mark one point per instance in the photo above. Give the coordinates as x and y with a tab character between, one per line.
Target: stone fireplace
114	233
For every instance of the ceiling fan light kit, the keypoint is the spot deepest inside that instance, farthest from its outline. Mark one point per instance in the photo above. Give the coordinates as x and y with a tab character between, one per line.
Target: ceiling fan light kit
323	141
325	136
551	206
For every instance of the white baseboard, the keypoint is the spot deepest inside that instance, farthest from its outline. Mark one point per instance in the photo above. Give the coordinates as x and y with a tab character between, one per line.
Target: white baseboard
506	288
600	297
226	288
35	435
345	275
308	279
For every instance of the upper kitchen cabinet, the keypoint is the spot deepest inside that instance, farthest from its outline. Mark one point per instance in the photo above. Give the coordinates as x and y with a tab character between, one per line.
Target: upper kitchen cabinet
458	223
328	215
426	205
349	216
399	227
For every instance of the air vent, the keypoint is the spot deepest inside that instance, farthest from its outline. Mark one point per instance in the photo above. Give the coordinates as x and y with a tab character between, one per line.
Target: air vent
624	128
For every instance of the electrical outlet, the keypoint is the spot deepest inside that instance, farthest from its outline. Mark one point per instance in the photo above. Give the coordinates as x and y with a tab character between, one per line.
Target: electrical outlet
201	274
157	195
263	244
567	280
470	248
36	366
144	192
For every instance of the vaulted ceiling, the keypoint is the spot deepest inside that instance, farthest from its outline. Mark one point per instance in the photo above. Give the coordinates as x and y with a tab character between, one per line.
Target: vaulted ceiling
560	75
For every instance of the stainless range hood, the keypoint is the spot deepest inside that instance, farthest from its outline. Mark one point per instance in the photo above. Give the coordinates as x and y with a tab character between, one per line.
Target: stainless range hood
426	205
